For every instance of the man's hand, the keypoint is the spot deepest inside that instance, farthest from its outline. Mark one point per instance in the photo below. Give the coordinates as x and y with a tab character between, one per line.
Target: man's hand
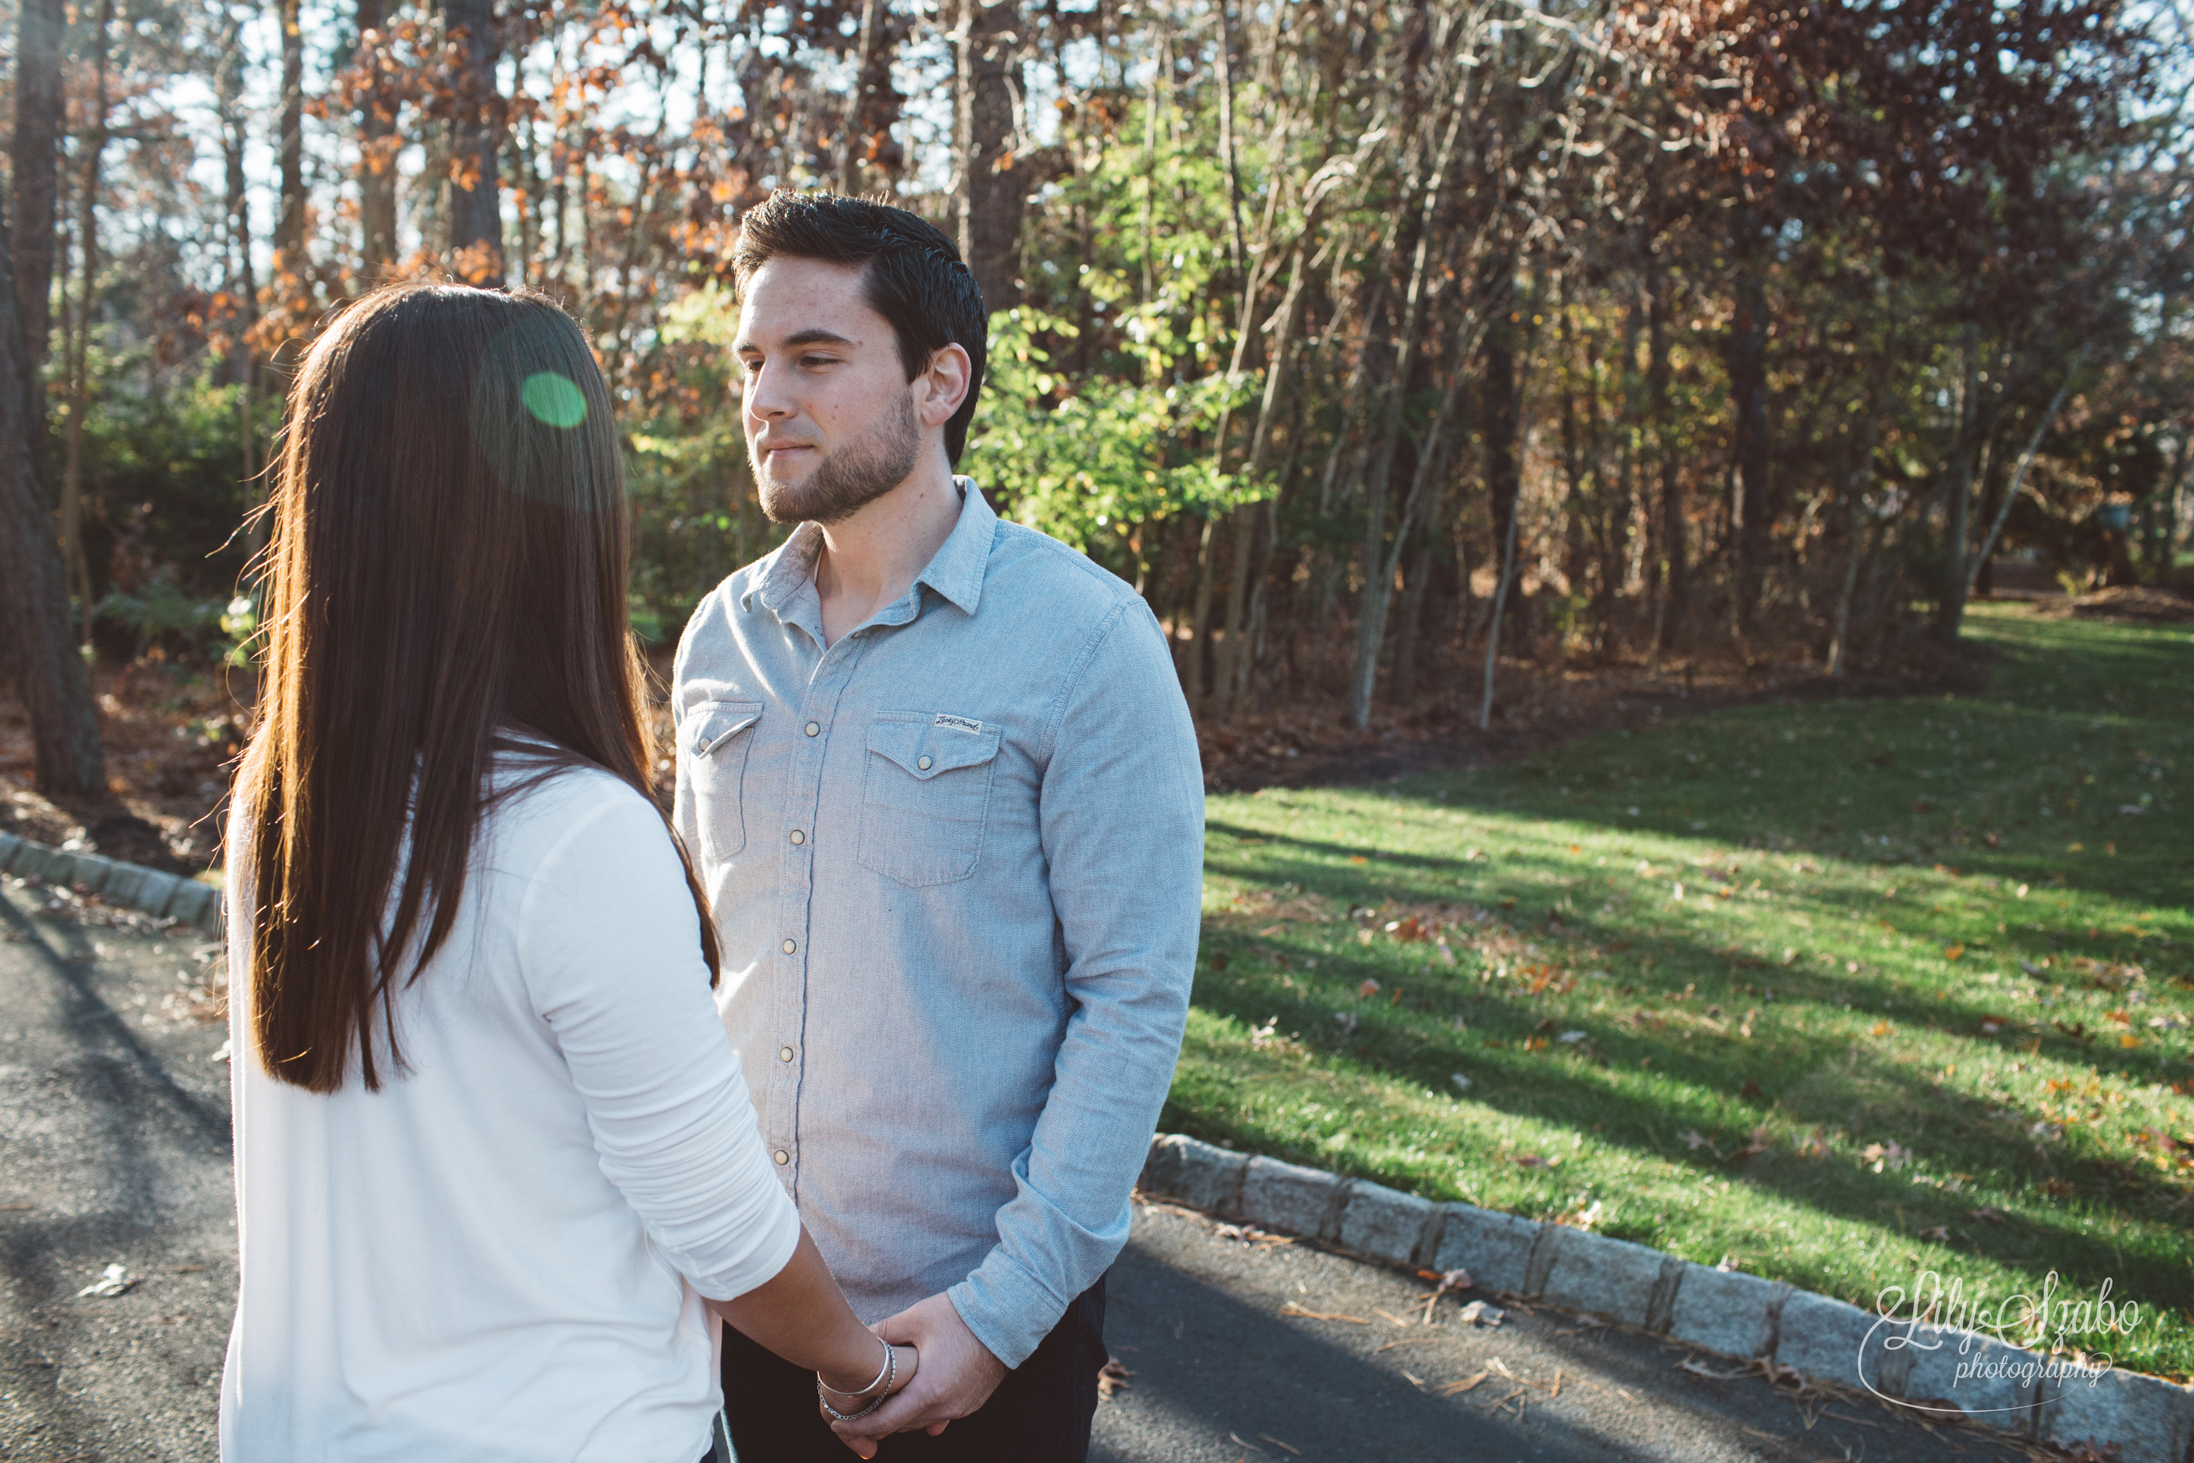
957	1374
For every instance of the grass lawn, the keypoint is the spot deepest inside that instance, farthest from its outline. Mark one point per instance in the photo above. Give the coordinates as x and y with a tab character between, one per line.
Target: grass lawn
1843	992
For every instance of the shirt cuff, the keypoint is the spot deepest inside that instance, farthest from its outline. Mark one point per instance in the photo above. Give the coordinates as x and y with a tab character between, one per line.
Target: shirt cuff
1009	1310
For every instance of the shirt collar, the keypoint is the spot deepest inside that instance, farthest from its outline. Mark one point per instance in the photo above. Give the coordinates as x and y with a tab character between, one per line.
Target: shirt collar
955	571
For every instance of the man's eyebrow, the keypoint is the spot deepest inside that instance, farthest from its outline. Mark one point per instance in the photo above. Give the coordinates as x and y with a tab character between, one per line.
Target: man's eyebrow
814	336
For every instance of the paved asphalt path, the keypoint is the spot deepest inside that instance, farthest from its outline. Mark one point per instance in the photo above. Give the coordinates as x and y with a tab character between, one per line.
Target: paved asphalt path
114	1150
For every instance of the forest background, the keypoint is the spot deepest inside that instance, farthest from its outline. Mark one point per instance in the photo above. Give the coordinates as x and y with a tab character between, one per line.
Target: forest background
1379	345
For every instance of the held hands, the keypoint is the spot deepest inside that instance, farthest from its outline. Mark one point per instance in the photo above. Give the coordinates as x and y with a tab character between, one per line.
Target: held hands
958	1376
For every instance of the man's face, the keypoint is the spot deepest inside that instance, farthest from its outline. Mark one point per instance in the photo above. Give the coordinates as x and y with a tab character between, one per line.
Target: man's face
830	416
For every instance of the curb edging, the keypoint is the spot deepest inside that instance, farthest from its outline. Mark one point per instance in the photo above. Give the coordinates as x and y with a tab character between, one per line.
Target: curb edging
130	886
2147	1419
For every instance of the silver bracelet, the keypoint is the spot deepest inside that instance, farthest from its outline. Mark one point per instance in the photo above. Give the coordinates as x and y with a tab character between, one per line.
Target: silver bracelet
885	1378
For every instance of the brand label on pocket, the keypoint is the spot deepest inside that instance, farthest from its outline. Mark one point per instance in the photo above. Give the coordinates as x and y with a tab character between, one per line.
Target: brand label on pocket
959	723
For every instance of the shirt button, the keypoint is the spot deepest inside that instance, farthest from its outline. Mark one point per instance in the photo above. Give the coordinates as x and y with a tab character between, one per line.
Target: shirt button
784	1054
791	946
813	729
923	763
783	1158
798	836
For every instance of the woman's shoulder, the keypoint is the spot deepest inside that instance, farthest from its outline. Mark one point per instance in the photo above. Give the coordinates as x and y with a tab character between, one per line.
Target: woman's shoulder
548	808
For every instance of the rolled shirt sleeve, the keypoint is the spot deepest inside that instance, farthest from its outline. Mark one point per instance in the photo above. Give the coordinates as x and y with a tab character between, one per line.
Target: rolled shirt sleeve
1122	818
611	953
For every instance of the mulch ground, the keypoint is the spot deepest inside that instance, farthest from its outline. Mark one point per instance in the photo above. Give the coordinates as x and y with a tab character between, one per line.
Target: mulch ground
2133	604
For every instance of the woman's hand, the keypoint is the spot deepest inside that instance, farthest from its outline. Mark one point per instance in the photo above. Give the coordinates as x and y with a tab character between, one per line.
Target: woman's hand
801	1315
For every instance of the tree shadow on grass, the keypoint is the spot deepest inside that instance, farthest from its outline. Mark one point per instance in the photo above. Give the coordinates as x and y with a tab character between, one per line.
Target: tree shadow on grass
1635	1078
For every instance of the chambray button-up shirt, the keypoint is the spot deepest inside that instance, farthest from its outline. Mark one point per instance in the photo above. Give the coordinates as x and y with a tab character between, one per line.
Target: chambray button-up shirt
955	861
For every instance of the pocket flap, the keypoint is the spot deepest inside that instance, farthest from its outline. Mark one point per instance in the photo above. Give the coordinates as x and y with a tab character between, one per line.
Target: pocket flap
713	723
923	746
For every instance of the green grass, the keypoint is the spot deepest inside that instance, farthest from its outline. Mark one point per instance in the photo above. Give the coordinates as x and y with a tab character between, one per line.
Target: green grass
1923	1002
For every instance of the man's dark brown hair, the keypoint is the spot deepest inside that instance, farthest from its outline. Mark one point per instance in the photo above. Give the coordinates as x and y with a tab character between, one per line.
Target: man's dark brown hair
911	275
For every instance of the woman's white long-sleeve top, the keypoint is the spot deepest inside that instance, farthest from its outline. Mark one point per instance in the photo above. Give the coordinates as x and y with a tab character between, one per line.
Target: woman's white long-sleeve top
500	1256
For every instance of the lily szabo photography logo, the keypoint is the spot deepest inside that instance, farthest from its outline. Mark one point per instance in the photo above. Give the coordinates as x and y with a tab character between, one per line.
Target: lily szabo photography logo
2055	1341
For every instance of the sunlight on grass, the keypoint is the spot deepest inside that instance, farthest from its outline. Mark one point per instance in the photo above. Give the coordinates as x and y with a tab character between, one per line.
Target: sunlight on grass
1840	990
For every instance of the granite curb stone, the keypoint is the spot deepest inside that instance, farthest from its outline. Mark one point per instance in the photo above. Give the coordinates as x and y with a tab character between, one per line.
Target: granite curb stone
1388	1224
1289	1197
1834	1341
1727	1311
1990	1382
2147	1419
1196	1173
1590	1272
1494	1247
131	886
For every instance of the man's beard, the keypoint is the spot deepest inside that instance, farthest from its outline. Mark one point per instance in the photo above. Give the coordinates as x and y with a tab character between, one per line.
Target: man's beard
851	478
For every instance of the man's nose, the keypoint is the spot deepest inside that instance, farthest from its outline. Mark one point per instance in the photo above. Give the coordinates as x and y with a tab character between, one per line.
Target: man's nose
766	399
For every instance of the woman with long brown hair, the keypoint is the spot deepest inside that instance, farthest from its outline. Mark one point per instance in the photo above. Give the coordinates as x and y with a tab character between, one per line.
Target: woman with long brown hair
495	1159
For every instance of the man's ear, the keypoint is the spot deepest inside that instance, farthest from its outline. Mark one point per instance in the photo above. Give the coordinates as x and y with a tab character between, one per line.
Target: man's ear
944	385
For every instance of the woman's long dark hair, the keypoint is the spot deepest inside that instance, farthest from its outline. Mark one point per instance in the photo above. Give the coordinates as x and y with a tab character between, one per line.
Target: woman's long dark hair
447	565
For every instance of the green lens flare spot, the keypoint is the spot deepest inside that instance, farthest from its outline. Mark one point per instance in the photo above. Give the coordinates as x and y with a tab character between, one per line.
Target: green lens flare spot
554	398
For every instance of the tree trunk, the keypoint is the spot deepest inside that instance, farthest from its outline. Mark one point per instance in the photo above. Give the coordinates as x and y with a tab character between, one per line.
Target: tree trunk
1200	650
475	194
72	468
241	367
991	196
872	159
289	222
1253	523
2026	459
377	147
36	161
1415	581
1615	549
49	673
1839	645
35	166
1497	423
1675	572
1378	559
1957	521
1747	361
1493	628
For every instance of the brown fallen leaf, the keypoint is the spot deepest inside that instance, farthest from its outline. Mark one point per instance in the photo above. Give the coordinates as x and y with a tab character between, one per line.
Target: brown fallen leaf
1112	1378
1268	1437
1456	1389
1415	1381
1251	1446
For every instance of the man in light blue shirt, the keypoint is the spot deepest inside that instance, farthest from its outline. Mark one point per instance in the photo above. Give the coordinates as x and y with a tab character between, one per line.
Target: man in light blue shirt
944	795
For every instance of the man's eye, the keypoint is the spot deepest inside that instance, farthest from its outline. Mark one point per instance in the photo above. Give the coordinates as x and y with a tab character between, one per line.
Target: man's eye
818	360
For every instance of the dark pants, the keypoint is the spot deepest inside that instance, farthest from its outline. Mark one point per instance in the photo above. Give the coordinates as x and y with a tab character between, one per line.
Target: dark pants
1040	1413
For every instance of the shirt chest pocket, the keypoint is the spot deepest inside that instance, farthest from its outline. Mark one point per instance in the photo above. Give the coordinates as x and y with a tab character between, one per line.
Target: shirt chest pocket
715	739
926	798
